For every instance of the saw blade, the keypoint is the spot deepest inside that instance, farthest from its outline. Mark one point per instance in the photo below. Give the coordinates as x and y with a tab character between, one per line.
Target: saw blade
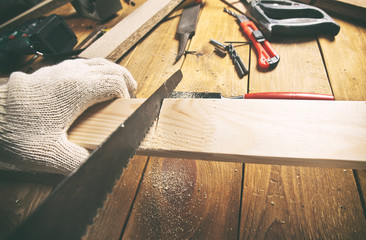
71	207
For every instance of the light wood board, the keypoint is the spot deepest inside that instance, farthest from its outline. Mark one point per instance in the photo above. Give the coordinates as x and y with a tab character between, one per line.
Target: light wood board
345	59
291	202
116	42
307	133
186	198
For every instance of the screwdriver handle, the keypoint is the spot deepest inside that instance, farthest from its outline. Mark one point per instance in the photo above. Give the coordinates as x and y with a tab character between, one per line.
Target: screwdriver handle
267	57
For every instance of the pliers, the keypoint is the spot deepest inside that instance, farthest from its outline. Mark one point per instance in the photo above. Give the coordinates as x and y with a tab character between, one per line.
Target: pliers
267	57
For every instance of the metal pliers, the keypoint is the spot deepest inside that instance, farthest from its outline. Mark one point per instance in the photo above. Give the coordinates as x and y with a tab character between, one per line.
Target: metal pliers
267	57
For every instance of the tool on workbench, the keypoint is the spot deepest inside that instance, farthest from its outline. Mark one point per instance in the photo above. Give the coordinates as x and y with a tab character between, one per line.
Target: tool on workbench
288	18
43	36
99	10
238	62
187	27
71	207
267	57
259	95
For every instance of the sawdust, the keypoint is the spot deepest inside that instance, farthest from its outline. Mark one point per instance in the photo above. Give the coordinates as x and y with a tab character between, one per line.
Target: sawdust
179	131
170	205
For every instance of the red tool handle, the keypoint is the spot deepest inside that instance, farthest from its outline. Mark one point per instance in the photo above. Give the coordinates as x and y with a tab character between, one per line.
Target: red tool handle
289	95
267	57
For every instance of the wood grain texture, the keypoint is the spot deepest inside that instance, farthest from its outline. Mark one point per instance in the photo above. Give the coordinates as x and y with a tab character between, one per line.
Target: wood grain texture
300	203
344	57
17	200
308	133
201	199
178	200
282	202
109	222
300	58
105	118
300	69
345	60
206	69
116	42
152	62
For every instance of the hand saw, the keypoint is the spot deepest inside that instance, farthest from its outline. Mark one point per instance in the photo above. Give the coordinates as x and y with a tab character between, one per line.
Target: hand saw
71	207
288	18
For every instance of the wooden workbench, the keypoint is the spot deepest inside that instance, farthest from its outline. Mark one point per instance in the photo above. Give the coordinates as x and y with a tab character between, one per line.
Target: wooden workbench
169	198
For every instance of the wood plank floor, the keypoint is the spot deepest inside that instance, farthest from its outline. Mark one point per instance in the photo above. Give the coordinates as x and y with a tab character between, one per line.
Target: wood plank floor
170	198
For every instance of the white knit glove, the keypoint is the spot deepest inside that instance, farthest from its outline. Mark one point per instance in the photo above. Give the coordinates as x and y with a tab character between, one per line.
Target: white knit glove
37	109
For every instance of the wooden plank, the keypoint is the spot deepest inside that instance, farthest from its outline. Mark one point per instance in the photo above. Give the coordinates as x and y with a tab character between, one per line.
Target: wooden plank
300	203
17	200
130	30
206	69
158	51
259	131
345	59
112	220
109	222
186	199
37	11
281	202
194	199
309	133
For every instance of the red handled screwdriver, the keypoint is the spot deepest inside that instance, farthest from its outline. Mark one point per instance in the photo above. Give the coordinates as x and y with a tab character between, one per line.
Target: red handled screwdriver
267	57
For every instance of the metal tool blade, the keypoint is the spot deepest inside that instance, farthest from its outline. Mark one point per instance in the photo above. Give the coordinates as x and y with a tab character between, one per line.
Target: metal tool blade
72	206
187	27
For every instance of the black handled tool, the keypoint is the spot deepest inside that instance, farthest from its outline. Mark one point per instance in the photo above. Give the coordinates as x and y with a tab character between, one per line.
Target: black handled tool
283	17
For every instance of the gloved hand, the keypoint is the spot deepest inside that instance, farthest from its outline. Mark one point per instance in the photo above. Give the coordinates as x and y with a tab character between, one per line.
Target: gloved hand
37	109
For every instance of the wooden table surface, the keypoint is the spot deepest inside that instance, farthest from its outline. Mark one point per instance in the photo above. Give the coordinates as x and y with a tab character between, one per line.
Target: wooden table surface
161	198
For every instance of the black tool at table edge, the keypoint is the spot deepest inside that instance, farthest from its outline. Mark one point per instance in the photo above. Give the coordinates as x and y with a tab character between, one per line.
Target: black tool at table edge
73	204
288	18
